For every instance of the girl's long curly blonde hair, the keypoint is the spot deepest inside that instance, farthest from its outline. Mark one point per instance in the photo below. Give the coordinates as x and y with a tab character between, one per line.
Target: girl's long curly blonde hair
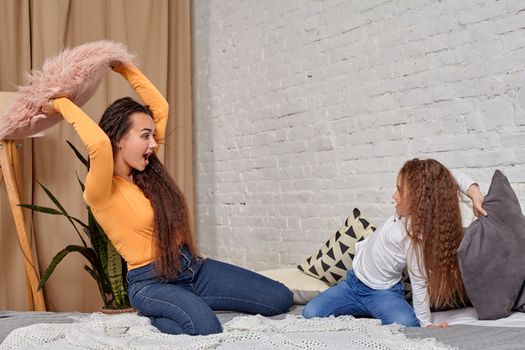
434	226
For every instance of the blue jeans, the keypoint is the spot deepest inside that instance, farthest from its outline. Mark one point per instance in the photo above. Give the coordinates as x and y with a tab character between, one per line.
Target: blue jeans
353	297
185	305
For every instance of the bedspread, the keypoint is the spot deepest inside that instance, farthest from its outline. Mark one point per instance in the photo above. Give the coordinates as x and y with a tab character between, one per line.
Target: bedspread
129	331
460	336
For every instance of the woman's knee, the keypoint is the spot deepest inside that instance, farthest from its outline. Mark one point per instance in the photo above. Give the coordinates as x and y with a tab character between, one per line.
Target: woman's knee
174	310
189	327
269	297
206	326
284	299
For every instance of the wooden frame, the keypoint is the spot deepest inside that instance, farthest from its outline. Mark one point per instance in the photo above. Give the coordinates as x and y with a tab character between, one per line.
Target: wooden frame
10	172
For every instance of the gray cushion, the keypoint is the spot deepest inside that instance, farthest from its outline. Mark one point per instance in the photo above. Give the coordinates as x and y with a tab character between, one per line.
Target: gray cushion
492	253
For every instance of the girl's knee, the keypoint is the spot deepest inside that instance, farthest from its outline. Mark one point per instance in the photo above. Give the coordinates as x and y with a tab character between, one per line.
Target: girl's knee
313	310
308	312
406	320
409	322
324	305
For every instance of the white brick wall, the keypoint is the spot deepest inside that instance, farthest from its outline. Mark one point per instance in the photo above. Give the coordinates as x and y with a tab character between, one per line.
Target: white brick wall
307	108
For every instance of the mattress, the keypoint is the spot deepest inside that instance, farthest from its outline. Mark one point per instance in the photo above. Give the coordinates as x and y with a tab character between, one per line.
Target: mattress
465	332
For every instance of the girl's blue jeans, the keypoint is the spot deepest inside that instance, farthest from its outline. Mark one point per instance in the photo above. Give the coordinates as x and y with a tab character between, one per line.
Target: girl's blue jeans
185	305
353	297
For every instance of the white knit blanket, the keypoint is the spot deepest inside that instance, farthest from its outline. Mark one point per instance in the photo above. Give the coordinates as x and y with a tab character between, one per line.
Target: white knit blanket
129	331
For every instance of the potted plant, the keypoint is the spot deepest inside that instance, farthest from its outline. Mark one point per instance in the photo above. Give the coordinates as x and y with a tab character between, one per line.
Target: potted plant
106	266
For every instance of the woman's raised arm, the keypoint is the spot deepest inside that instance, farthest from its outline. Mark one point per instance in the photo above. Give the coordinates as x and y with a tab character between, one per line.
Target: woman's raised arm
149	94
99	178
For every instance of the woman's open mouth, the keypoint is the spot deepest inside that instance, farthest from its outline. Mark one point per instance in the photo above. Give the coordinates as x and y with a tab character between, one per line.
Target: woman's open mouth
146	158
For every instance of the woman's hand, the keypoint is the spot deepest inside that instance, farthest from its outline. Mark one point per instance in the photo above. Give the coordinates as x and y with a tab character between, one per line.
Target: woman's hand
48	108
438	325
120	67
477	199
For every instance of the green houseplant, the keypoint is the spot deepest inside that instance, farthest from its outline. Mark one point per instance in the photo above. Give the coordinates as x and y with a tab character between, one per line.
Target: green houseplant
106	266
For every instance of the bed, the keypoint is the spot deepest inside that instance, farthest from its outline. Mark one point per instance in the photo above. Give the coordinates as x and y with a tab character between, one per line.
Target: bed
465	332
73	331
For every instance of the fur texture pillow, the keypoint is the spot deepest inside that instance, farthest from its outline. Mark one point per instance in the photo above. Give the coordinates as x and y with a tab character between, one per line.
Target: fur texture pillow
74	73
491	255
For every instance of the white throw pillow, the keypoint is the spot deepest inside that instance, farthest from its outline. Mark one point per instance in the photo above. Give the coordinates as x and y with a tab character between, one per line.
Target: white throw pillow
304	287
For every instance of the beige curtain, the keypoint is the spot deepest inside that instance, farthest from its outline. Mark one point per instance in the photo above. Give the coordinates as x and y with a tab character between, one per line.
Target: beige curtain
158	32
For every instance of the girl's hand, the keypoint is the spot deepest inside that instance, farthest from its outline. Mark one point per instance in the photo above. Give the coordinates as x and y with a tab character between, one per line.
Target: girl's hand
477	199
438	325
48	108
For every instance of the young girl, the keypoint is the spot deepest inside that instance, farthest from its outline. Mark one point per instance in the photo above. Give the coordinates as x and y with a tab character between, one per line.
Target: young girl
144	214
424	235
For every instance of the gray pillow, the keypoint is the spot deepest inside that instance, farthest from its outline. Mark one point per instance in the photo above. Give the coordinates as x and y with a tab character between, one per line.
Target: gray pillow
492	253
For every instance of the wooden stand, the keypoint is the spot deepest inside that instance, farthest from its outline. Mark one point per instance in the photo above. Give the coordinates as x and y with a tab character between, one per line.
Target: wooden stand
10	170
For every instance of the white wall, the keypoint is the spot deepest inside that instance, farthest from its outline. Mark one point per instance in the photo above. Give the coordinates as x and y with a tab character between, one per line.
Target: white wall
305	108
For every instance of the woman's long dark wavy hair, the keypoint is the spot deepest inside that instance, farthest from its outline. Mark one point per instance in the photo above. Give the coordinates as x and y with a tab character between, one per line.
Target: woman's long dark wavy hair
172	227
435	228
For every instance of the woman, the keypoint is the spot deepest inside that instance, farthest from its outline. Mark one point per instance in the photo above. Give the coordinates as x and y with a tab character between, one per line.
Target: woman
144	214
424	235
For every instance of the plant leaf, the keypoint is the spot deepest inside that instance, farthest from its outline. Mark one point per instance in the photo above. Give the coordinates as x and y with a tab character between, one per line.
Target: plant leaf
107	300
51	211
78	154
114	269
59	206
80	182
40	209
56	260
107	267
90	255
99	245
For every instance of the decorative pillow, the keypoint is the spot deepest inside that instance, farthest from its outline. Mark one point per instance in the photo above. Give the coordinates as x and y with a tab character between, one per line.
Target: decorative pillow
303	287
6	99
74	73
334	259
491	254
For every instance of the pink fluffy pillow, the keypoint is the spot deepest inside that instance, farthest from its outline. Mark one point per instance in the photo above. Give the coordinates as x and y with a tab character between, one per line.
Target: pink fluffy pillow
74	73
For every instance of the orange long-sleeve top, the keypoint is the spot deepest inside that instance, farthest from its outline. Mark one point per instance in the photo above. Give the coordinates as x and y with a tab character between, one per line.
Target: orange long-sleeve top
120	207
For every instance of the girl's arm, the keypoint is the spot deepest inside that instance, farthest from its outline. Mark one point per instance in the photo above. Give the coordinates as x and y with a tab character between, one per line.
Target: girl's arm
420	299
477	199
97	192
471	189
149	94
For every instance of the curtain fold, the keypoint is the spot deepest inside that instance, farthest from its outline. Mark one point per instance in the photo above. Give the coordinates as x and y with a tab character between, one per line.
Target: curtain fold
15	60
180	136
42	28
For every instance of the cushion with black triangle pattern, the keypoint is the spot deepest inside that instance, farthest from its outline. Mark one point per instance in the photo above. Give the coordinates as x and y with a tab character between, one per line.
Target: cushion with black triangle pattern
335	257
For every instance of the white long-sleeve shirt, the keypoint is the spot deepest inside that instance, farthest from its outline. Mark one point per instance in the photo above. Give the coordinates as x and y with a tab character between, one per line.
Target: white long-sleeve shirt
381	258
